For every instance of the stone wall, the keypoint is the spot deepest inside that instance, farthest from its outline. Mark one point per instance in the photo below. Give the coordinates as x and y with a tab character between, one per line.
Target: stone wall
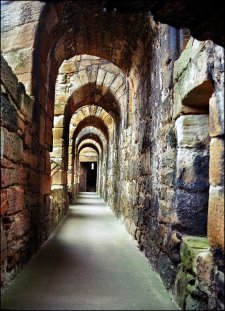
157	119
26	214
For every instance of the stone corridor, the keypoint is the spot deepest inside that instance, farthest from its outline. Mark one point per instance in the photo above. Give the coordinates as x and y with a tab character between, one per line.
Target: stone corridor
125	99
89	263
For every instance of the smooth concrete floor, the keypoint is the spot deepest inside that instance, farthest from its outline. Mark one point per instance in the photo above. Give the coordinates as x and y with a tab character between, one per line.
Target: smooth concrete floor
90	262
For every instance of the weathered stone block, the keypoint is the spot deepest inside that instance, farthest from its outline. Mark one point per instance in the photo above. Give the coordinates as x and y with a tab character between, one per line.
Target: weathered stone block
192	130
20	60
9	177
15	197
167	270
180	109
19	224
19	37
195	87
192	169
191	210
13	145
4	202
191	246
183	278
8	115
216	217
216	165
26	107
8	78
216	115
203	266
57	134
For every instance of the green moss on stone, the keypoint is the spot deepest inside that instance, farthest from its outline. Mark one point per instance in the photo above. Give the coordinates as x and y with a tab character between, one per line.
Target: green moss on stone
191	246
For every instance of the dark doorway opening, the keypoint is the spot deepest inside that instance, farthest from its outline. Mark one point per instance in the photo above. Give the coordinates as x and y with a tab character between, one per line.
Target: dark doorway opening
88	176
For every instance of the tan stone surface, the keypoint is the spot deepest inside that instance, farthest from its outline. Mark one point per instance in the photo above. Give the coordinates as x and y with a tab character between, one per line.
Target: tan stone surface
216	165
192	130
192	73
179	108
203	268
216	217
216	115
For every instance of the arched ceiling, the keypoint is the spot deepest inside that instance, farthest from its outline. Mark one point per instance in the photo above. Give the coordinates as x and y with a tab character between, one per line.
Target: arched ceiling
89	136
90	111
92	144
93	121
87	131
205	19
85	80
88	152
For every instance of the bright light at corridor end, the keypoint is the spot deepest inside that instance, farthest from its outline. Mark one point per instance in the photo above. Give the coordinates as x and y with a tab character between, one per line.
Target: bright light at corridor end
92	166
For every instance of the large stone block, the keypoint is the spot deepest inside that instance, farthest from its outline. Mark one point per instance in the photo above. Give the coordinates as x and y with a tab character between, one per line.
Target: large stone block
216	165
183	278
192	73
12	145
9	177
180	109
216	114
4	202
191	210
57	133
9	114
20	60
19	13
19	37
191	246
18	225
192	130
15	197
192	169
203	266
8	78
25	104
167	270
216	217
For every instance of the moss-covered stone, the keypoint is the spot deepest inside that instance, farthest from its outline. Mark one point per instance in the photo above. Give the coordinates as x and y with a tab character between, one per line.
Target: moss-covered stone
183	279
190	248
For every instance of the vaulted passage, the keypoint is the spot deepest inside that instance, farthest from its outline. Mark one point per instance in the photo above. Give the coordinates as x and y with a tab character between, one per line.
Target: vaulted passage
122	99
90	263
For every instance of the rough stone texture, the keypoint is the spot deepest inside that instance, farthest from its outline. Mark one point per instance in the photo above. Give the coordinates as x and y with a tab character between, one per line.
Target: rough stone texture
25	225
148	117
195	279
216	164
192	131
191	247
216	216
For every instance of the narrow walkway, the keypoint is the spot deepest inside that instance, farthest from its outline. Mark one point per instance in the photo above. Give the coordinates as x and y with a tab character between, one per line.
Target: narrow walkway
89	263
